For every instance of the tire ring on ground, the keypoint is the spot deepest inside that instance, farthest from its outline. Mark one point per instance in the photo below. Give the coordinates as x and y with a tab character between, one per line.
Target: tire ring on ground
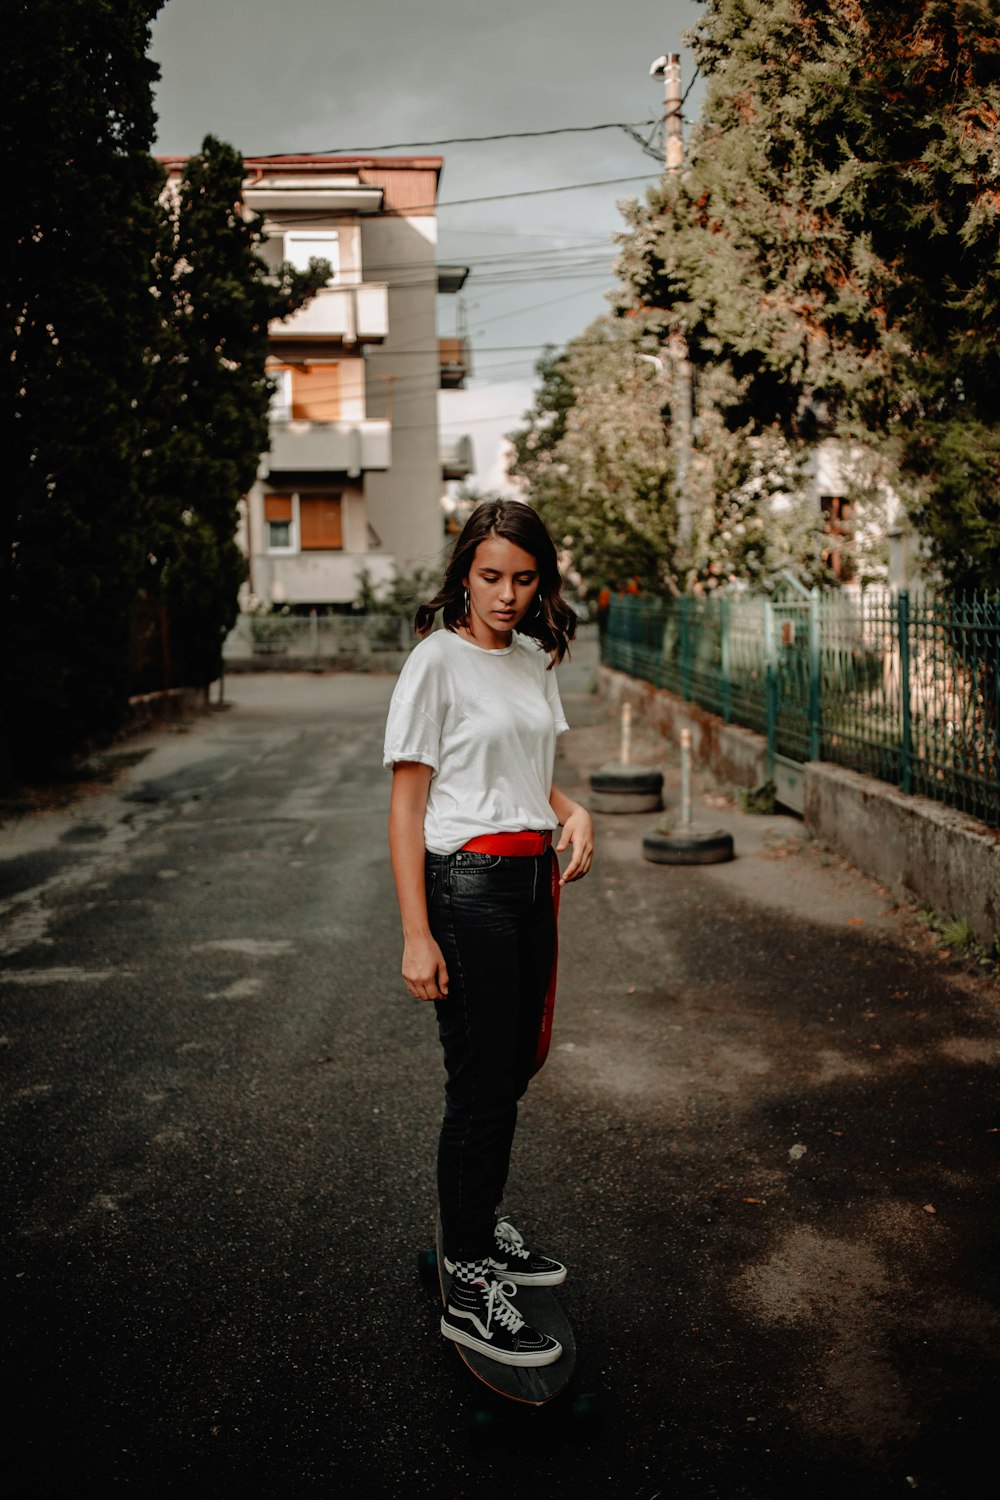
625	802
628	779
711	848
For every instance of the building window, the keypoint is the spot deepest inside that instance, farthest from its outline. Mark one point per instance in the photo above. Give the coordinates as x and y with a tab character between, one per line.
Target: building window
316	393
278	521
320	523
305	393
302	246
839	528
281	398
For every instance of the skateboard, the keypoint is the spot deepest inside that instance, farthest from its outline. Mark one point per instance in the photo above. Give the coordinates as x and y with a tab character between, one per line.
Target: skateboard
539	1306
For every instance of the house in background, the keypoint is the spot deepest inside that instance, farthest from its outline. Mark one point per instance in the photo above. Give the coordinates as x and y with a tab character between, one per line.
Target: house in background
866	533
355	472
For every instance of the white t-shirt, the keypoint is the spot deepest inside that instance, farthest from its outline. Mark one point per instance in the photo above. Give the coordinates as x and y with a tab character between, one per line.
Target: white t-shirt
486	723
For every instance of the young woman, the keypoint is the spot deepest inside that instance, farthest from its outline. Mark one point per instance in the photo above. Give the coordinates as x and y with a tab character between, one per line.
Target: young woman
471	741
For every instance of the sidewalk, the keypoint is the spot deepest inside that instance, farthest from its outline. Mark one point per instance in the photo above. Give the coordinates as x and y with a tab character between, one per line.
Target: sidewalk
799	1088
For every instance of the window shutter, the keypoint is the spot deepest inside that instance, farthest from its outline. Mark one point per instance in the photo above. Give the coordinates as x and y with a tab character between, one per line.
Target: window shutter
320	523
316	393
277	507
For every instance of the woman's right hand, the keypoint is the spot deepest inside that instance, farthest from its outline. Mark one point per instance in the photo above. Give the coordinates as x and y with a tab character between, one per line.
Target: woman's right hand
424	970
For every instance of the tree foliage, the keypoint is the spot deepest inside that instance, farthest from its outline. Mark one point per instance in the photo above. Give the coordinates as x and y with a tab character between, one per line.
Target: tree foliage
209	421
833	243
76	123
135	327
594	460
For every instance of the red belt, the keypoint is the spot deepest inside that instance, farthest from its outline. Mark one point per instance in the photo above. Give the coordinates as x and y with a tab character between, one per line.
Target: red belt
508	845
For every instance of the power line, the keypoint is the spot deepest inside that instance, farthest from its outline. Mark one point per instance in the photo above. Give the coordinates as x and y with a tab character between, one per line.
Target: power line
645	142
489	268
388	354
694	75
459	140
532	307
496	281
510	416
569	187
524	234
586	246
414	208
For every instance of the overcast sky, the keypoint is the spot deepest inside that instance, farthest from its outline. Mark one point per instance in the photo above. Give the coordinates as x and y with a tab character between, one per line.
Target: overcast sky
307	75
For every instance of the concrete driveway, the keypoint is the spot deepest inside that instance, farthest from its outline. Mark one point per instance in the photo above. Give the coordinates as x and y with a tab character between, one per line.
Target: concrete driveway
765	1143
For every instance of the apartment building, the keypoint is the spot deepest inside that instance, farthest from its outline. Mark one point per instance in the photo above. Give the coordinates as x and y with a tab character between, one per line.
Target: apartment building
354	476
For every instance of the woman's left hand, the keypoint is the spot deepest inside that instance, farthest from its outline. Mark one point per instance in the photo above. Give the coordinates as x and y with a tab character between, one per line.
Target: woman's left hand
578	831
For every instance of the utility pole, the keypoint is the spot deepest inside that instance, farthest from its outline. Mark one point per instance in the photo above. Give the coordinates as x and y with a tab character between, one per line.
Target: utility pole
668	68
672	122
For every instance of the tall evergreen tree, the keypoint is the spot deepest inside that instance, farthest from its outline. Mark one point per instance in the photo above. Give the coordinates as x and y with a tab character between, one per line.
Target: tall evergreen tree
76	125
209	423
834	241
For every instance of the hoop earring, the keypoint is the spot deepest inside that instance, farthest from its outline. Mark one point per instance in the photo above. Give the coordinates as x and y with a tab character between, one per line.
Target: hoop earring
468	603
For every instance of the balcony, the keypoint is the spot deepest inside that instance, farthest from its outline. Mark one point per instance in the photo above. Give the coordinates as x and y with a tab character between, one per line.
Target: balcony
451	279
328	447
319	577
280	193
350	314
457	457
455	363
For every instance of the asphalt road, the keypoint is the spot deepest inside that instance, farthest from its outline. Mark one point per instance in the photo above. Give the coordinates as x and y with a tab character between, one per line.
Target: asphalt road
765	1143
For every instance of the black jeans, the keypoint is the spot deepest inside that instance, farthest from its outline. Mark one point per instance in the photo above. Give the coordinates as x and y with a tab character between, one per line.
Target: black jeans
493	920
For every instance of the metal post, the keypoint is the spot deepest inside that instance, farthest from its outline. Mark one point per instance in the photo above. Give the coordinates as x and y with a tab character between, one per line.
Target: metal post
681	425
668	67
626	732
903	628
685	778
727	707
815	703
685	609
771	681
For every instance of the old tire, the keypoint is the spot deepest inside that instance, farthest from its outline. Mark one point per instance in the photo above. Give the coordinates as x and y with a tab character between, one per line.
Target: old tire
616	777
620	788
691	846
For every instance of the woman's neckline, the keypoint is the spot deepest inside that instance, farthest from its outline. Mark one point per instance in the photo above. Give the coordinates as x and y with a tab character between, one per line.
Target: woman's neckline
486	650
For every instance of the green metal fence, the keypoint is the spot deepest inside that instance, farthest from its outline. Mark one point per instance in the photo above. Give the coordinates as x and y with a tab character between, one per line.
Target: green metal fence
904	688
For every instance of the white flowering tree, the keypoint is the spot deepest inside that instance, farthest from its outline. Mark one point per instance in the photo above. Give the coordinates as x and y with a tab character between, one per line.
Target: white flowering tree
594	460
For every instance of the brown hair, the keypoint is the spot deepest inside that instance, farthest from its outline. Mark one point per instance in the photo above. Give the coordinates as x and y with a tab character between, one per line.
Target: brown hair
551	622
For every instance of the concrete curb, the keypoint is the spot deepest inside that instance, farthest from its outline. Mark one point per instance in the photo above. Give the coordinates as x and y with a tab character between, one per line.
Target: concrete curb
918	849
147	710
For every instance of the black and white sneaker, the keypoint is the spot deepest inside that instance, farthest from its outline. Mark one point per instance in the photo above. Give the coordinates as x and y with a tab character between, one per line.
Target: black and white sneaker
479	1316
513	1260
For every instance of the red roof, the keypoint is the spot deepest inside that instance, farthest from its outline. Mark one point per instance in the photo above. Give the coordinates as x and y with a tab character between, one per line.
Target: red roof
404	193
397	163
